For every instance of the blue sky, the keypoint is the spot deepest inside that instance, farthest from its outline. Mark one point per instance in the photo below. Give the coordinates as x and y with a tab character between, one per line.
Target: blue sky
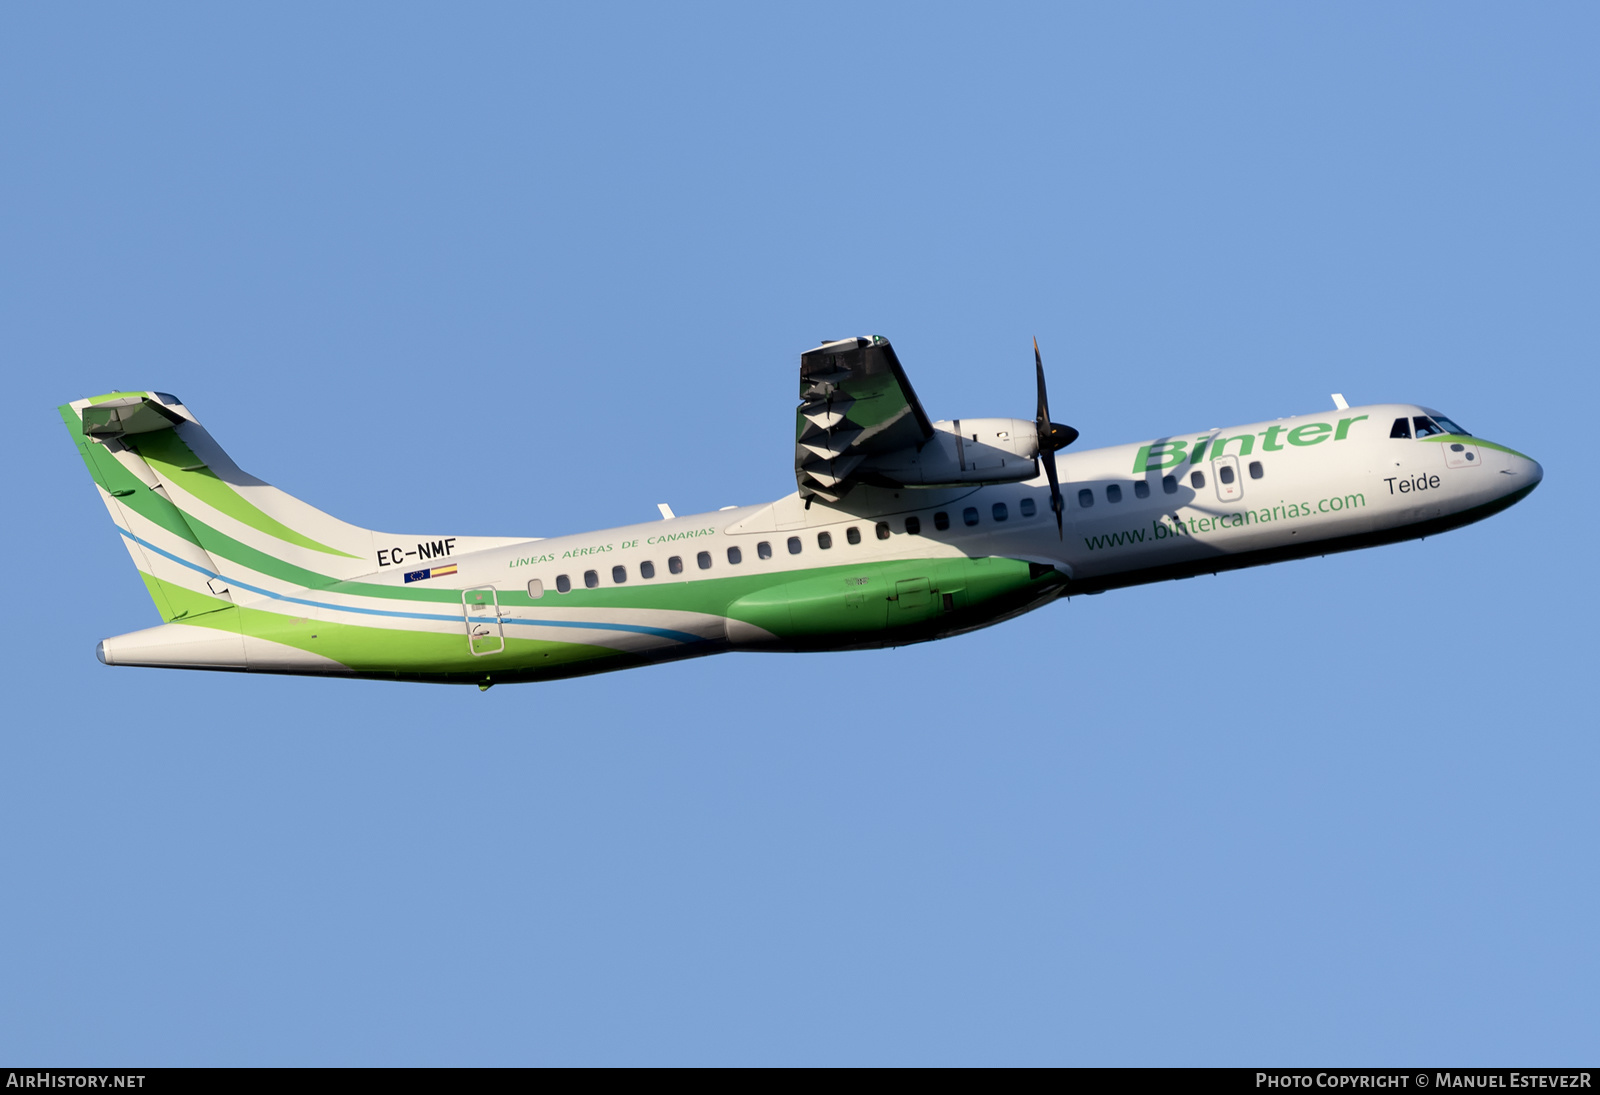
523	270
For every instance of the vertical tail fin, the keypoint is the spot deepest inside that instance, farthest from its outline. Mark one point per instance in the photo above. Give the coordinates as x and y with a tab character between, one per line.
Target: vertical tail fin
202	532
139	503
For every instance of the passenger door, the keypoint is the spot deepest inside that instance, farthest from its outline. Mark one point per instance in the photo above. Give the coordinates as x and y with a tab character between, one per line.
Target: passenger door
481	609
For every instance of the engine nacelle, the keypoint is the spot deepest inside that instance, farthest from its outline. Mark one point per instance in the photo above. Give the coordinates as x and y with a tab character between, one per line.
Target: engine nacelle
966	451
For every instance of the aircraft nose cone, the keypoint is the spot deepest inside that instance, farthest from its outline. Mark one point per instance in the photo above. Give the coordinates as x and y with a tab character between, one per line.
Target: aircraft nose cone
1522	474
1525	471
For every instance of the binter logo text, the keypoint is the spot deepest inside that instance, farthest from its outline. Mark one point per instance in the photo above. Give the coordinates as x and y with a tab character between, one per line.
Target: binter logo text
1160	455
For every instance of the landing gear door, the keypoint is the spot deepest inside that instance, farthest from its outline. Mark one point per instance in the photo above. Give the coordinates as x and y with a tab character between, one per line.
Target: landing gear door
1230	488
481	609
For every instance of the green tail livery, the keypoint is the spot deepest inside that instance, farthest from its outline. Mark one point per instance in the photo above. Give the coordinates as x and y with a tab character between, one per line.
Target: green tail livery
902	530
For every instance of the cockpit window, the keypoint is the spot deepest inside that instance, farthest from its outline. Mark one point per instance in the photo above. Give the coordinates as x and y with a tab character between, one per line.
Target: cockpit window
1401	428
1426	427
1449	426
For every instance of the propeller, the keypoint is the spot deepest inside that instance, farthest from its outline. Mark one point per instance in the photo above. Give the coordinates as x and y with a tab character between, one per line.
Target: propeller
1052	436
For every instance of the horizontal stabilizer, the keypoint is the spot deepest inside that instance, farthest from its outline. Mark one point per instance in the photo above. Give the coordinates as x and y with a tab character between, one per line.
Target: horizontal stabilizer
130	414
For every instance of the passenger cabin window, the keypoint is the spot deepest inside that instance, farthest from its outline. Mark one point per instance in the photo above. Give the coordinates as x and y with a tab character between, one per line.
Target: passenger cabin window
1255	469
1426	427
1028	507
1225	473
590	579
824	540
794	545
970	515
536	589
563	584
647	569
763	550
913	526
619	574
1141	488
1114	493
675	564
1169	484
853	534
998	511
1085	498
1401	428
704	560
883	530
1197	479
941	521
735	556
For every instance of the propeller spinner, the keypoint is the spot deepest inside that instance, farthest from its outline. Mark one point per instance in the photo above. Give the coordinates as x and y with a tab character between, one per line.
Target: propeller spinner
1052	436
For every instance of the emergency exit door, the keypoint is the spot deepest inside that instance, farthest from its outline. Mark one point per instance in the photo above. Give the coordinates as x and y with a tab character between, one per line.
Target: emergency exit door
1230	487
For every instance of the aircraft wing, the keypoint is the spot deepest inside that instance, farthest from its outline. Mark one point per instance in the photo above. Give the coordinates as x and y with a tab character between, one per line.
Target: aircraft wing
855	403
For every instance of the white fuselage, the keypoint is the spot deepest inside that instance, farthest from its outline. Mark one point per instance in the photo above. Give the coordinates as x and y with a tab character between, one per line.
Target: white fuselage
881	567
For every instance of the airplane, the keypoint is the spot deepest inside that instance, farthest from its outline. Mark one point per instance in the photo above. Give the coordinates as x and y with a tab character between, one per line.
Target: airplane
901	530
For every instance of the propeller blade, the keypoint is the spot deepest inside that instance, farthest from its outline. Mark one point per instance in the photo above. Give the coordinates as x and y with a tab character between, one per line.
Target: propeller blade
1041	418
1052	436
1056	502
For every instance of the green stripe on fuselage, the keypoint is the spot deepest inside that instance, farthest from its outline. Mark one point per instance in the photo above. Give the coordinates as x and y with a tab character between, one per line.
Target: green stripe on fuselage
974	580
869	603
380	651
1468	439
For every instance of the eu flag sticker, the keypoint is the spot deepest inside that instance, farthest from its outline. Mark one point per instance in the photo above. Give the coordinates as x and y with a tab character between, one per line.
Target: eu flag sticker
418	575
